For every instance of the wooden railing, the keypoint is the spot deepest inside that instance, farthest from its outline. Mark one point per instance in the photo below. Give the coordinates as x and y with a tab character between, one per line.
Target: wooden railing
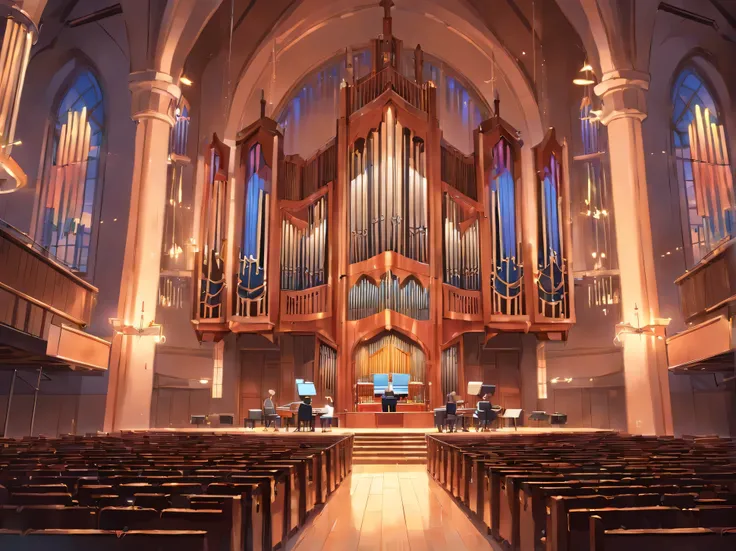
300	178
458	171
461	304
35	287
372	86
710	285
305	305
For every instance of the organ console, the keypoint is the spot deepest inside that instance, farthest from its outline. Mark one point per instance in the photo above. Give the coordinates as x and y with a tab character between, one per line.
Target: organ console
388	244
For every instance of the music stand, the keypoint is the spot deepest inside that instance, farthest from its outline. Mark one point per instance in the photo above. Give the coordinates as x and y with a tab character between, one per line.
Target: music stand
514	414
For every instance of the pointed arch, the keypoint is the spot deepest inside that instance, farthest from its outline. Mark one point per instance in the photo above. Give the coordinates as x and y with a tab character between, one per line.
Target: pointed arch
72	175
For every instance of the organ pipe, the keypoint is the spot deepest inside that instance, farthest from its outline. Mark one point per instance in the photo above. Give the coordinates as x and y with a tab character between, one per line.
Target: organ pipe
20	34
388	193
303	248
410	298
67	181
214	232
711	171
327	369
462	247
390	352
449	369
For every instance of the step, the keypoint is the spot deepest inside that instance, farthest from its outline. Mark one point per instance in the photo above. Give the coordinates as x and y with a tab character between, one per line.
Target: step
374	446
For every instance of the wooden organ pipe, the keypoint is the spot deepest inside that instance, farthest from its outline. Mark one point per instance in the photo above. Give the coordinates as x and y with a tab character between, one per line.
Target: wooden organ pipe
389	353
410	298
388	193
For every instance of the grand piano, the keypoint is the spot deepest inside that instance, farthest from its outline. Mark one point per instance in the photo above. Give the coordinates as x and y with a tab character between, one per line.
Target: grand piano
289	412
475	388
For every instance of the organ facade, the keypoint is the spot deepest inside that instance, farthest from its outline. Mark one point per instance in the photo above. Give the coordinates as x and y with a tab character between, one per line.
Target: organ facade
388	245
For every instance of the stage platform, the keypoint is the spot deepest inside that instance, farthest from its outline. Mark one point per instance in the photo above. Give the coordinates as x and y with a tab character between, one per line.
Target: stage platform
395	420
384	430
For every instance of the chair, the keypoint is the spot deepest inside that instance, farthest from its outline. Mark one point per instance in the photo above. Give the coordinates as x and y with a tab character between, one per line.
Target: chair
253	416
380	383
485	415
270	417
451	416
305	416
401	383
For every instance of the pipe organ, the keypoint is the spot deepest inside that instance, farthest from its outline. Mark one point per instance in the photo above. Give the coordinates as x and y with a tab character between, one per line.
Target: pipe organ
210	260
387	243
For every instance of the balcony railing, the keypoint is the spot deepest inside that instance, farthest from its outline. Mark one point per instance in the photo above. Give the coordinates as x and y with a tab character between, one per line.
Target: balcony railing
461	304
305	305
32	276
372	86
710	285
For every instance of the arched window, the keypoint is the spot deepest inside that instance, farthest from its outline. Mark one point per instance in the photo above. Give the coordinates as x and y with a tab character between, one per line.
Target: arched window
70	181
702	159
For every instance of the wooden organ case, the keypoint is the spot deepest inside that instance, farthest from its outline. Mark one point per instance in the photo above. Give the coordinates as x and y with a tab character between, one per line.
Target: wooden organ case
388	244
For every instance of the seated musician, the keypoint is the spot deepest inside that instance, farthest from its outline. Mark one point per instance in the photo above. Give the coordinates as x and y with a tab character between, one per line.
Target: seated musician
389	392
483	412
326	418
269	411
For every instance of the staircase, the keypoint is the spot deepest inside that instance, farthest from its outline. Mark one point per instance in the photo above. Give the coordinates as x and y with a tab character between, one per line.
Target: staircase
389	448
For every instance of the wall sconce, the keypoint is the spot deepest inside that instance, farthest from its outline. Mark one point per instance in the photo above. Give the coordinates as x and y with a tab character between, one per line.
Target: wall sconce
655	329
586	80
154	330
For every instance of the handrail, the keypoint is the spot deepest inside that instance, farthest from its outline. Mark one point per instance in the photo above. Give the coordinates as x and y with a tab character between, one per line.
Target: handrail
42	305
24	240
368	89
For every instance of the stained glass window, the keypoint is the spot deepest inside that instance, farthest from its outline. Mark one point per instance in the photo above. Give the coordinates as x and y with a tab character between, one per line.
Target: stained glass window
709	219
71	180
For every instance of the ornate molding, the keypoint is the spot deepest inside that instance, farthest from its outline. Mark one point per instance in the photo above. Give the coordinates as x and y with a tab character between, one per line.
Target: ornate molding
624	95
155	96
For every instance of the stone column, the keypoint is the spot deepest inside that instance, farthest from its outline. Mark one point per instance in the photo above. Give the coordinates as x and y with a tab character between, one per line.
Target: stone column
645	368
154	98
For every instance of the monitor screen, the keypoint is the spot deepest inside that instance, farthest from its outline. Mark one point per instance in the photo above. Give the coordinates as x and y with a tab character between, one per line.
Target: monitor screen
299	381
306	389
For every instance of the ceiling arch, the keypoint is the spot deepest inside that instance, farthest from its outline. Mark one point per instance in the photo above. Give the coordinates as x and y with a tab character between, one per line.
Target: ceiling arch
315	30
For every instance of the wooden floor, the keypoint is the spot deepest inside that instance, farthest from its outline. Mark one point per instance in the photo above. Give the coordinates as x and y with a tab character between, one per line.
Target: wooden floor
391	508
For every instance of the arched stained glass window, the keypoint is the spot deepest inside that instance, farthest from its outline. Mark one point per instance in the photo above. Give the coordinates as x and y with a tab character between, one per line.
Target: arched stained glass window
702	161
73	161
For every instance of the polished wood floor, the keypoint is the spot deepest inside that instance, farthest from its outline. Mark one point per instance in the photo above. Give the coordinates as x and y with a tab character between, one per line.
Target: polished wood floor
390	508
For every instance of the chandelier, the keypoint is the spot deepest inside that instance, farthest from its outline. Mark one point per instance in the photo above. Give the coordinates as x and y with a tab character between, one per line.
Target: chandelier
154	330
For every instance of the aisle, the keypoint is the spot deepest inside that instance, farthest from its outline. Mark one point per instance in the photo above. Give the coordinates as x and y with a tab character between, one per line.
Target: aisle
390	508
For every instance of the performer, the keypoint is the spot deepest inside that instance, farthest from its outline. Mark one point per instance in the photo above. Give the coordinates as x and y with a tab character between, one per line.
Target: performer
326	419
269	411
389	392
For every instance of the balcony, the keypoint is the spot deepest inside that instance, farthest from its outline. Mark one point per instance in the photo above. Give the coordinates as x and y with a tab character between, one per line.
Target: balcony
44	308
708	304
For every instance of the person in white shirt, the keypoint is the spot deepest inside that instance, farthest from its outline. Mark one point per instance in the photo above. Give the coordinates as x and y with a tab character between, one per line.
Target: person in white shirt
326	419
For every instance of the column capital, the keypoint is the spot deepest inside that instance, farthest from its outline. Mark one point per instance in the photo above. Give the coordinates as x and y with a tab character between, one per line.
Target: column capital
623	94
155	96
10	9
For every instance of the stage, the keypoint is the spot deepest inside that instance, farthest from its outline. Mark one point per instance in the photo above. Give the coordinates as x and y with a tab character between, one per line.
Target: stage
394	420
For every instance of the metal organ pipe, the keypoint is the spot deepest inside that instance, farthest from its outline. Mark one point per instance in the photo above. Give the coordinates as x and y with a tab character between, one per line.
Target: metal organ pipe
388	193
408	298
303	250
